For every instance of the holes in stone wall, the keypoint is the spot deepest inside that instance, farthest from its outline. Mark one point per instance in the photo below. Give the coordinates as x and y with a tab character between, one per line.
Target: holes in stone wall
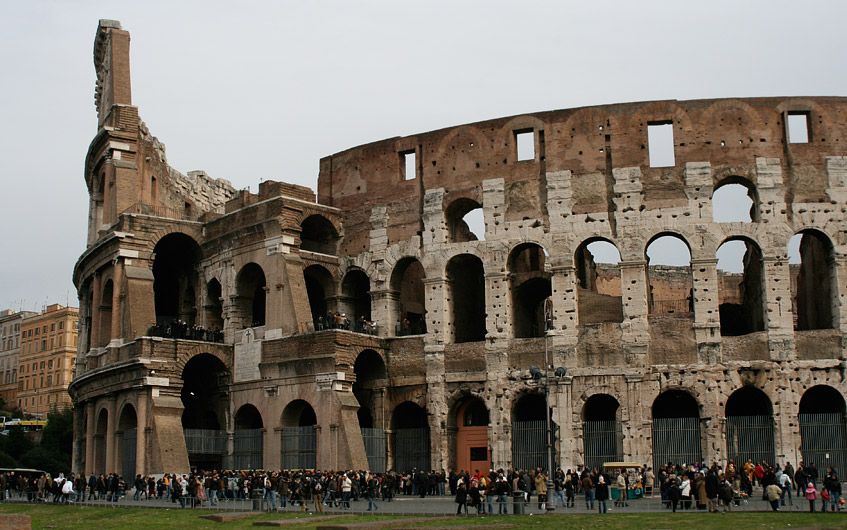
740	287
465	221
410	311
799	127
599	282
735	201
813	299
530	287
525	142
466	281
660	143
669	279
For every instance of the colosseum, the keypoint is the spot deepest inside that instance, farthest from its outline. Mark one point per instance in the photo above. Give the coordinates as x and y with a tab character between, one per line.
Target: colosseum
370	325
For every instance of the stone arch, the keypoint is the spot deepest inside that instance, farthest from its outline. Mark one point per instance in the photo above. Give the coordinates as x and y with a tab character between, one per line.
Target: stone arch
411	448
676	428
205	379
733	122
101	431
461	151
598	288
530	287
371	380
466	287
175	275
469	420
601	427
298	413
248	438
106	310
406	281
213	306
455	215
356	298
741	296
529	430
251	289
320	287
318	234
725	207
749	426
823	428
125	439
814	293
670	284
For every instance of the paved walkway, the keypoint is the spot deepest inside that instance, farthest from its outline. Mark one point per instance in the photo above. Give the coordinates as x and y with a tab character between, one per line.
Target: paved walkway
408	505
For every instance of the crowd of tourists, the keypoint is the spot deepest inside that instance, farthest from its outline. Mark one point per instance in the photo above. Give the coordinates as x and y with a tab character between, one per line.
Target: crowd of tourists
178	329
681	487
335	320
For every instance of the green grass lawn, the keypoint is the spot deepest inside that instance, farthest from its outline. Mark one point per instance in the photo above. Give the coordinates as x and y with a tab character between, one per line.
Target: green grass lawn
97	518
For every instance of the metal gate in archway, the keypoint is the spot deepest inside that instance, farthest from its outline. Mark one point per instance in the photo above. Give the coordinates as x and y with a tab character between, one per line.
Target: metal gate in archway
247	449
128	457
824	440
676	440
529	445
750	438
603	442
299	447
375	449
411	449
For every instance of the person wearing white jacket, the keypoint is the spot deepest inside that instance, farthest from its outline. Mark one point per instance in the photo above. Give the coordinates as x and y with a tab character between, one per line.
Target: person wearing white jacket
685	493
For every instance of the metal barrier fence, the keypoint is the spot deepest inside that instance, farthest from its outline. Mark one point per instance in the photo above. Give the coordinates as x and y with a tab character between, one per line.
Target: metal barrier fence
299	447
128	457
375	449
603	442
411	449
529	445
205	441
676	440
824	441
750	438
247	449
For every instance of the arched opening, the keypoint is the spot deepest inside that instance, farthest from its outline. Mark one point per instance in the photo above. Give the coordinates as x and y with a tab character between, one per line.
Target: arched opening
251	289
466	283
247	446
100	431
356	300
471	452
320	288
670	287
740	287
749	426
676	429
530	287
85	316
465	221
407	281
735	201
601	428
174	277
214	306
813	278
529	433
126	438
369	389
823	429
411	438
599	276
299	436
106	313
317	234
204	394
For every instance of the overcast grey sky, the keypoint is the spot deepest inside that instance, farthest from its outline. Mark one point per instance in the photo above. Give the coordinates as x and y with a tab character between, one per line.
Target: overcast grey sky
257	90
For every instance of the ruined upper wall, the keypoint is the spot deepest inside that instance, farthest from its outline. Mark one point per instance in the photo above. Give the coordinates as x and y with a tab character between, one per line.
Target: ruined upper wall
589	142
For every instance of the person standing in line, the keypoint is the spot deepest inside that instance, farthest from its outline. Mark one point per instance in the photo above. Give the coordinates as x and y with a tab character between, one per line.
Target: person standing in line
811	496
588	488
461	498
601	493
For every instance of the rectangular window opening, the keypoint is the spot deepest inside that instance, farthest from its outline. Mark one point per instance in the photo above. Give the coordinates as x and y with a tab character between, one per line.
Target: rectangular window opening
660	143
525	141
408	164
798	127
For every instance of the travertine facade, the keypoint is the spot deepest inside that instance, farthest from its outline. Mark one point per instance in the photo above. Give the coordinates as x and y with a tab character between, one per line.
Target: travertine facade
678	363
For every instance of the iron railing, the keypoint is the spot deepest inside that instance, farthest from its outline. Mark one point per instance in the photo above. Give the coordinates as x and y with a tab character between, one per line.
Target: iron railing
750	438
676	440
299	447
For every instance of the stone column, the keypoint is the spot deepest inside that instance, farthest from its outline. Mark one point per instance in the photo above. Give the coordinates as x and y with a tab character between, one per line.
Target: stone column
493	207
384	311
635	327
116	337
439	326
436	404
111	437
141	433
778	314
89	437
80	445
435	227
565	332
561	399
839	310
498	306
707	323
95	311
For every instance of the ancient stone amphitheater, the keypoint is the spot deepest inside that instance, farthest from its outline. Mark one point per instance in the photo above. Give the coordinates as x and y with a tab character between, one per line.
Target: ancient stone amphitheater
596	250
